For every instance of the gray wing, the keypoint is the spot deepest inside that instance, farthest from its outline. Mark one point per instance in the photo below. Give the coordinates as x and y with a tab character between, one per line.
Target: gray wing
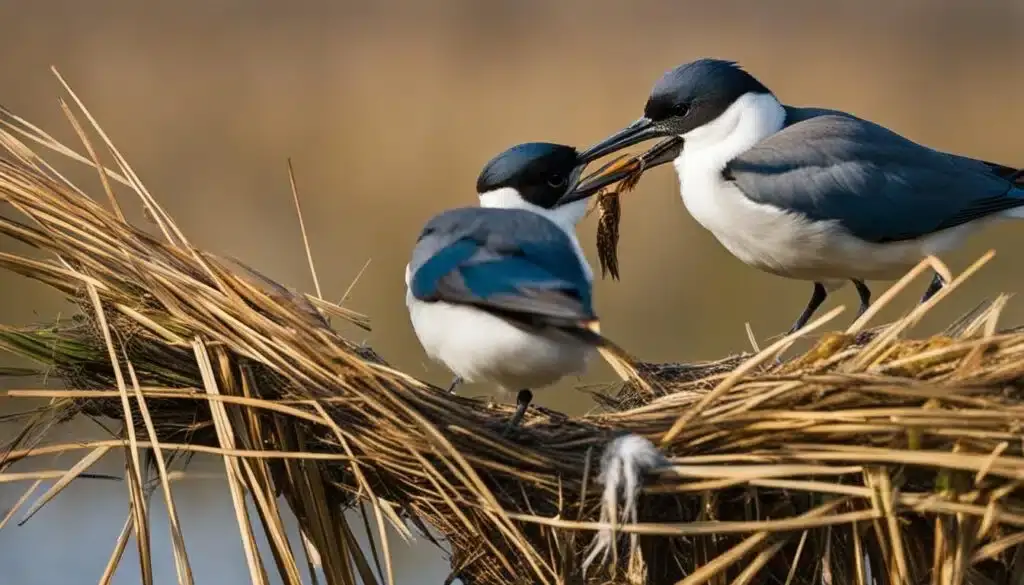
881	187
512	262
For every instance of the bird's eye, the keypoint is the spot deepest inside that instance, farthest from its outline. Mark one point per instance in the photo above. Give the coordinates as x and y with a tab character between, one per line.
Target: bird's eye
681	109
556	181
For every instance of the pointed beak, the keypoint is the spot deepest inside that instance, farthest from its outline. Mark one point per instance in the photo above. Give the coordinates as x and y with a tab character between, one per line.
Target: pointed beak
620	169
637	132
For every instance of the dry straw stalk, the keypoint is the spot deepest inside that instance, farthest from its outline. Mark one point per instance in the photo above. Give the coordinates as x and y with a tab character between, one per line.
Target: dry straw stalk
872	457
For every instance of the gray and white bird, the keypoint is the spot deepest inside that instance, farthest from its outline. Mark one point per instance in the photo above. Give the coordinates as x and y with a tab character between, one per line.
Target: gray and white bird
502	293
808	193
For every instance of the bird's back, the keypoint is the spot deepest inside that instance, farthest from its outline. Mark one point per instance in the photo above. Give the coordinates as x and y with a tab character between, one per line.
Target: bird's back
497	229
503	260
881	186
835	136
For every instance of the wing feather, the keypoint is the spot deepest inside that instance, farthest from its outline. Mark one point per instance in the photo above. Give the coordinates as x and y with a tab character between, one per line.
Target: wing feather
876	184
503	263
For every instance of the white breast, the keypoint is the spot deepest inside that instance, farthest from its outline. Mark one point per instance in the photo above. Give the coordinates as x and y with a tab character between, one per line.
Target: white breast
480	347
759	235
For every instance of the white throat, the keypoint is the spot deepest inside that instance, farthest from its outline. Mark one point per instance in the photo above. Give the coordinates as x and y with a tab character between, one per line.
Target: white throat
760	235
566	216
749	120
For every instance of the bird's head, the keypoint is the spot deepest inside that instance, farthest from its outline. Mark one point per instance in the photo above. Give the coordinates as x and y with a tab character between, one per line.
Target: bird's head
534	176
681	102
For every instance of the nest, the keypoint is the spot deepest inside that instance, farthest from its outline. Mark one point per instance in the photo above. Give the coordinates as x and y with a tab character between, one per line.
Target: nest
870	458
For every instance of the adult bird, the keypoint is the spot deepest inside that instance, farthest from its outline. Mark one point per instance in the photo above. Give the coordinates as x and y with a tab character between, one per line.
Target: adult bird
502	293
808	193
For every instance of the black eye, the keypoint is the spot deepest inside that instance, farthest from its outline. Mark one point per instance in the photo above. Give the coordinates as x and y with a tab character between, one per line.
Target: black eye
556	181
680	109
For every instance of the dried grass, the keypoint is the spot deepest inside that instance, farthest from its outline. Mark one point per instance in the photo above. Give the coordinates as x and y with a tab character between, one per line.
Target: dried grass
871	454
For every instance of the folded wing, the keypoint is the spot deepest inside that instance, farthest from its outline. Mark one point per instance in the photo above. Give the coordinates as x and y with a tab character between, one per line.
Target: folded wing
876	184
523	268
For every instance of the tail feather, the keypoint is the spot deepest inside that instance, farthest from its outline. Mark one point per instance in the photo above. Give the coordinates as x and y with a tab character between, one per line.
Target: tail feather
1016	178
1017	194
1013	175
617	358
588	331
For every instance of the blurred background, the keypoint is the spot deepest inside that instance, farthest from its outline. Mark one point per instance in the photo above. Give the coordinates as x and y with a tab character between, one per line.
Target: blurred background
388	110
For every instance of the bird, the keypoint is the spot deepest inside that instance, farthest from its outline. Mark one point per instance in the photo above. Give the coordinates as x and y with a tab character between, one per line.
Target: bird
533	176
807	193
502	292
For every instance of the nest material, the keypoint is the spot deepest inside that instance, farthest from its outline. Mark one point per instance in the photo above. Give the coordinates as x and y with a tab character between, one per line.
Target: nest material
869	455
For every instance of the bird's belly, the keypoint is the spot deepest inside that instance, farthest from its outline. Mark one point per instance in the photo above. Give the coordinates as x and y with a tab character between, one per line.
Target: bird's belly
480	347
758	235
851	257
788	244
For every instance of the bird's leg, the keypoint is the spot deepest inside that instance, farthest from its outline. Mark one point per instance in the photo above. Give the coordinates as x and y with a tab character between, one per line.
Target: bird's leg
523	399
933	287
865	296
817	298
455	382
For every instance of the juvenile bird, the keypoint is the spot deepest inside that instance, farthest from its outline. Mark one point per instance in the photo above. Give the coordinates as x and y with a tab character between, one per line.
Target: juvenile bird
534	176
502	293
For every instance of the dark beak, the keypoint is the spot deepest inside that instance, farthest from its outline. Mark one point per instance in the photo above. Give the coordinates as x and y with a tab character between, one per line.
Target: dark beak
637	132
663	152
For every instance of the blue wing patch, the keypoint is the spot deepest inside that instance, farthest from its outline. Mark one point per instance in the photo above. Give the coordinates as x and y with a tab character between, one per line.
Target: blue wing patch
528	286
508	275
425	281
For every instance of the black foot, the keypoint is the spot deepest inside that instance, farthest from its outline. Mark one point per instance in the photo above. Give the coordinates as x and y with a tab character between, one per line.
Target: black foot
933	287
817	298
523	400
865	296
455	382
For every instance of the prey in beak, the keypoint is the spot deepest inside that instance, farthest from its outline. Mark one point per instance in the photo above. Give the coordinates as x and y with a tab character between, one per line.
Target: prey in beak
624	169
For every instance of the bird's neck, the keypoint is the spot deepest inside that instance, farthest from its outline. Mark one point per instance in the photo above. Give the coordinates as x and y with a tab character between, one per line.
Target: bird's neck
565	216
749	120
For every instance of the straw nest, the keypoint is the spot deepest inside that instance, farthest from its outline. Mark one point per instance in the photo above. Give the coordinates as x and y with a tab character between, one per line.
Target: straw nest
870	458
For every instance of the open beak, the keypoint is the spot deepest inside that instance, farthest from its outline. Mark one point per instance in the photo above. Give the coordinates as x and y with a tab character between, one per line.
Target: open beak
637	132
663	152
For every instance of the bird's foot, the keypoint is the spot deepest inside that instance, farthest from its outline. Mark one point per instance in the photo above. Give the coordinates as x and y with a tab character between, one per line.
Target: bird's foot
523	399
933	287
818	296
455	383
864	293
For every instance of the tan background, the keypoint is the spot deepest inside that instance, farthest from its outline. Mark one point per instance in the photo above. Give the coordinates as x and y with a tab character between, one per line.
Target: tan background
389	109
